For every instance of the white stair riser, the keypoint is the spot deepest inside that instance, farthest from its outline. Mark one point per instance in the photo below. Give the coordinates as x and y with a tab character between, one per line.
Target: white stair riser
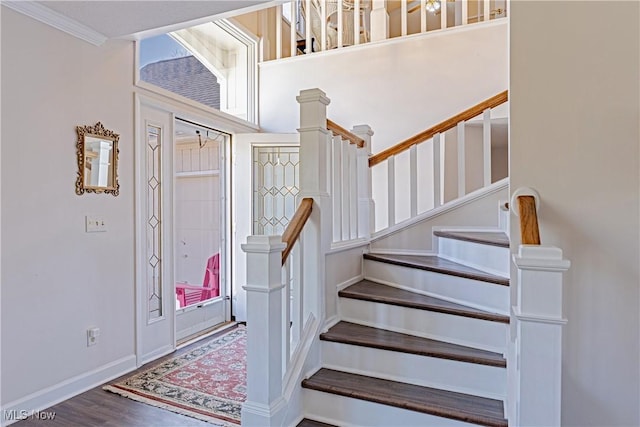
474	293
455	329
346	411
492	259
452	375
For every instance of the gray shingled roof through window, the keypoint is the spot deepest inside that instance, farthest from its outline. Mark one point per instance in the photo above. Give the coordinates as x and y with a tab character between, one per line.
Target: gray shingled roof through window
185	76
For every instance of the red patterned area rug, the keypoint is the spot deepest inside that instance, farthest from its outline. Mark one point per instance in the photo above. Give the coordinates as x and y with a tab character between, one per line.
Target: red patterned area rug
208	383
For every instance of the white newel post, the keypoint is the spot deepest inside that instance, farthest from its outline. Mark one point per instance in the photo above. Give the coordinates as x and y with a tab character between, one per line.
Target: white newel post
379	21
538	348
366	208
264	330
314	182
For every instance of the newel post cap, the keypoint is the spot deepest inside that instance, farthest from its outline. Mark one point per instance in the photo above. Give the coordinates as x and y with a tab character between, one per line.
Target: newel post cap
362	130
263	244
536	257
313	95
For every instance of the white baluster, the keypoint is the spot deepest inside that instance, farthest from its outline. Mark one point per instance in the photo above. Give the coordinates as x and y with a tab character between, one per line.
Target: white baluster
461	161
465	11
487	10
379	21
443	14
353	191
391	189
413	180
286	313
293	34
346	203
356	22
340	24
423	16
279	31
365	199
486	146
337	187
437	182
298	286
308	48
323	26
403	17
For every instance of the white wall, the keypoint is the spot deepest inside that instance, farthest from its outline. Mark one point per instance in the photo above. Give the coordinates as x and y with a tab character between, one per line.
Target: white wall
575	132
57	280
398	87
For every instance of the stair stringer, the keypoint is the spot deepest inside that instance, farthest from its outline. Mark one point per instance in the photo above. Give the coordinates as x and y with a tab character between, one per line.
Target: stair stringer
477	209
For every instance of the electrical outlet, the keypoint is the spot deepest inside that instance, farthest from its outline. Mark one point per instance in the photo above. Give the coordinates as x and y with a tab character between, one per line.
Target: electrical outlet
95	224
92	336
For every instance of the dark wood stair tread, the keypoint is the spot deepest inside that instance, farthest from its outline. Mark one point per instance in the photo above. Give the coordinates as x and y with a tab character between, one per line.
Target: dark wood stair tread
312	423
438	265
367	290
366	336
442	403
492	238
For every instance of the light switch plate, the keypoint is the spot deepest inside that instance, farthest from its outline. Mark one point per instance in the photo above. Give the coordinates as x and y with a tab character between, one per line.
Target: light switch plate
95	224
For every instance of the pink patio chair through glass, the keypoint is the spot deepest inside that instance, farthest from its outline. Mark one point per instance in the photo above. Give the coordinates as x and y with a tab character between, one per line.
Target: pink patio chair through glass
187	294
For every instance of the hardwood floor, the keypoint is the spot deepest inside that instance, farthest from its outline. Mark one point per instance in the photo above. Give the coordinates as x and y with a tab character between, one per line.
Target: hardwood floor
97	407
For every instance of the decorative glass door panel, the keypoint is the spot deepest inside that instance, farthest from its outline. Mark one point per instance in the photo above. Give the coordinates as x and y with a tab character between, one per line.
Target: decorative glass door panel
275	186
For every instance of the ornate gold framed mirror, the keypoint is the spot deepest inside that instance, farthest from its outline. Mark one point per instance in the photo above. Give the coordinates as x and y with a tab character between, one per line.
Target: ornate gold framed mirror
97	153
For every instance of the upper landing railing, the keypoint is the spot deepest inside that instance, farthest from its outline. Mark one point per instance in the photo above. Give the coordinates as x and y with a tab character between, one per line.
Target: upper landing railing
309	26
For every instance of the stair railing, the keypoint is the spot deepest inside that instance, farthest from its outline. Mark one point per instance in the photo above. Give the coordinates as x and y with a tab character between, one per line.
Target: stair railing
293	316
534	362
277	319
320	25
286	275
435	135
350	182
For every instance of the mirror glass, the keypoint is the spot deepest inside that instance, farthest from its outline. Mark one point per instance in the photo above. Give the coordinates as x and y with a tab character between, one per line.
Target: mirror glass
97	152
98	158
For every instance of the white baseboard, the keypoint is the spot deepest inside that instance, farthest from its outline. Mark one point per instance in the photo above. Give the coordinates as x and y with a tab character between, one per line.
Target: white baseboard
347	283
150	357
66	389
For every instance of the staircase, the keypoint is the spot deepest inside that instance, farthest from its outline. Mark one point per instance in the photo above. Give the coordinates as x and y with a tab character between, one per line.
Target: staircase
421	340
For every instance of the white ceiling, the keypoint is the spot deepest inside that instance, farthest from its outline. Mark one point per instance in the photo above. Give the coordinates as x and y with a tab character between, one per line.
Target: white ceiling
116	19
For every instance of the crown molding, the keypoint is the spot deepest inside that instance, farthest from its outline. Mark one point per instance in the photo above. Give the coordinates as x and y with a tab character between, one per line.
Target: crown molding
57	20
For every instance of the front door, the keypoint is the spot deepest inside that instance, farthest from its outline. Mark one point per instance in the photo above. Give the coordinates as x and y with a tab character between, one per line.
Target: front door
200	228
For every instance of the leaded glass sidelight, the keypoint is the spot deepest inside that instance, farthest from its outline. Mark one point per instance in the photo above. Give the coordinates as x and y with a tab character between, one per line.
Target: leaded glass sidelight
276	184
153	223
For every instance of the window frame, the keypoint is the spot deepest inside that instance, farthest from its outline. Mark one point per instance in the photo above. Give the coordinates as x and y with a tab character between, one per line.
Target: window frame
244	37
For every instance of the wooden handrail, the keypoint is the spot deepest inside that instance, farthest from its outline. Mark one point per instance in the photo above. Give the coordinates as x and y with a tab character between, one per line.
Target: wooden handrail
296	225
336	129
529	231
439	128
